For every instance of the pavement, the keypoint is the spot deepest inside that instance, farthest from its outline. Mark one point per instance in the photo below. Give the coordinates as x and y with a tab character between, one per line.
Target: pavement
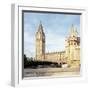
75	71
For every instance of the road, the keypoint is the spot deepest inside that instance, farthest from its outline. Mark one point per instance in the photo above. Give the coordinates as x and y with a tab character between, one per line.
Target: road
51	72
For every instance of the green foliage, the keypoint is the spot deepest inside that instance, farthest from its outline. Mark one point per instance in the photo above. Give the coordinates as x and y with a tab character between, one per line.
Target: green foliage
30	63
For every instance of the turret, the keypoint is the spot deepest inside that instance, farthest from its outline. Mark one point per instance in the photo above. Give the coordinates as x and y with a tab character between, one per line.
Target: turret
71	44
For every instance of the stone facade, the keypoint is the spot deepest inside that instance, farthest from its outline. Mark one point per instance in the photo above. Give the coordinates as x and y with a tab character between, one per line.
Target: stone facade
71	55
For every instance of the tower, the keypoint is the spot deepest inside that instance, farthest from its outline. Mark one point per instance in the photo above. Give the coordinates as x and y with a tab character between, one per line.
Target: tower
40	43
72	46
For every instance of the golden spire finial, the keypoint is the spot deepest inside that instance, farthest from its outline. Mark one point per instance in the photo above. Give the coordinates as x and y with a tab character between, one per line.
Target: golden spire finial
72	28
40	28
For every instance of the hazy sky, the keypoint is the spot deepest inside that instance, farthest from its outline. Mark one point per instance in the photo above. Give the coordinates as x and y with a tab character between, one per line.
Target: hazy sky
56	27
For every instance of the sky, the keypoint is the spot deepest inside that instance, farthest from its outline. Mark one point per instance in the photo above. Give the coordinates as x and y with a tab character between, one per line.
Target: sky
56	28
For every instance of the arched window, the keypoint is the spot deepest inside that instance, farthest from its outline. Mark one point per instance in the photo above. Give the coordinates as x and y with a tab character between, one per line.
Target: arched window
74	43
71	43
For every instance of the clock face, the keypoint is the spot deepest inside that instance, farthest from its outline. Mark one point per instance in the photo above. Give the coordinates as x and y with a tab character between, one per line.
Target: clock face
38	36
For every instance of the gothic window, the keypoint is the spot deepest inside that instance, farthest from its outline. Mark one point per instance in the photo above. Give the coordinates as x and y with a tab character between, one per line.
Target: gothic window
71	43
74	43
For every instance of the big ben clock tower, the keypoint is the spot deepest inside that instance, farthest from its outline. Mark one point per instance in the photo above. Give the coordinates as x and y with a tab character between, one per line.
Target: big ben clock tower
40	43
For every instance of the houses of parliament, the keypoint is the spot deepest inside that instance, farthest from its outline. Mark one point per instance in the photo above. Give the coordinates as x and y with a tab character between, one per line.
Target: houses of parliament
71	54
